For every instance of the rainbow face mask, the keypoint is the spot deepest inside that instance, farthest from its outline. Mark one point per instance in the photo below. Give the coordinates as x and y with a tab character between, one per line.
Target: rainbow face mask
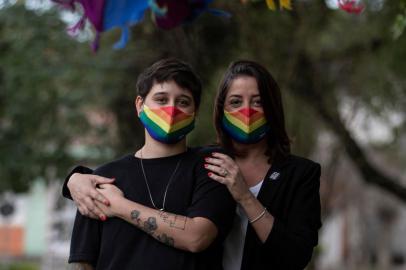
245	125
167	124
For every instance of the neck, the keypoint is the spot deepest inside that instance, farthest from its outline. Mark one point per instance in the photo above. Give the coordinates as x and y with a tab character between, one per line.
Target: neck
251	152
155	149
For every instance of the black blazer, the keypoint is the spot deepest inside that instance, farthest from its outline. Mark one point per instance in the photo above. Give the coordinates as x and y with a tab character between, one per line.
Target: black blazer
290	192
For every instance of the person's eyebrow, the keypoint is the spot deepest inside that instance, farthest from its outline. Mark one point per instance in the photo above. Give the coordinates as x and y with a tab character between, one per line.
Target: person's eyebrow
185	96
160	93
239	96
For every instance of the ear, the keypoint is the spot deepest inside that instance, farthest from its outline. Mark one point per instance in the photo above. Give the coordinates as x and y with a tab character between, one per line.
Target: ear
139	101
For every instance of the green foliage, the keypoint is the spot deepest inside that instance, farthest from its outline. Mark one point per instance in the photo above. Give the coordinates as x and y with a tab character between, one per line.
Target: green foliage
50	84
20	266
400	21
43	86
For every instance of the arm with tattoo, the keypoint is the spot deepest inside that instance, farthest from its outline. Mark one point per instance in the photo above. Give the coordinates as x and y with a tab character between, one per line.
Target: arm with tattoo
190	234
80	266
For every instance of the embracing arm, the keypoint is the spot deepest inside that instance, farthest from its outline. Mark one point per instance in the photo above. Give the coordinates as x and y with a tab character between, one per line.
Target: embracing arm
80	186
190	234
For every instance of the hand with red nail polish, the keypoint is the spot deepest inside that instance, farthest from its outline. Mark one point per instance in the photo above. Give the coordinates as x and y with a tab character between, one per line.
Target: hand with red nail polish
83	189
114	195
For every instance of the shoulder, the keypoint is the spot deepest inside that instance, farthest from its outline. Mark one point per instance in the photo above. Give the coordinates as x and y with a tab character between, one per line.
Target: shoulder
296	162
114	166
203	151
300	169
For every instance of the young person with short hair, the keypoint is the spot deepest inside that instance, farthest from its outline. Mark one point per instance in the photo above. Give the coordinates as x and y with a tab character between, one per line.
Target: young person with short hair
181	216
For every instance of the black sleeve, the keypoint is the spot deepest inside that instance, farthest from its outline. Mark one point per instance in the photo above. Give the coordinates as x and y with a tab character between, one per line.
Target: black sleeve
85	242
293	243
77	169
212	200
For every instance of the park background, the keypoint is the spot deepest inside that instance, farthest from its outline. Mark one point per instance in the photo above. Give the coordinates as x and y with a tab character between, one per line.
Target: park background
343	81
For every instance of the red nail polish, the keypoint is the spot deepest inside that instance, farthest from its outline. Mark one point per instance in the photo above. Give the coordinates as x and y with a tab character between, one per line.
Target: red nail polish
206	165
209	174
103	218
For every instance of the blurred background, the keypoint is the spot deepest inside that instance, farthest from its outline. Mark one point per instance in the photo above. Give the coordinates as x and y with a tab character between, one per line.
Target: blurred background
343	79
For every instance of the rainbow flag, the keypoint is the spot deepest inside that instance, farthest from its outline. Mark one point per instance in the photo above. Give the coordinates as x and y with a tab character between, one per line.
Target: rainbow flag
246	125
167	124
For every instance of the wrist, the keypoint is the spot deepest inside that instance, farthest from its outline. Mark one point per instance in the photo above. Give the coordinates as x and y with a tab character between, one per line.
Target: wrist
116	205
69	183
120	207
246	198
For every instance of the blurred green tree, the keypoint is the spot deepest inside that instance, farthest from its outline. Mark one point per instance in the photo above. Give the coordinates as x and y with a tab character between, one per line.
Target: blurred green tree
324	59
42	87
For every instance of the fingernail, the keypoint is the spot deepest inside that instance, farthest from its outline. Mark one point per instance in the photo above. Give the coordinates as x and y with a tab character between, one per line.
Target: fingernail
206	159
209	174
113	178
103	218
206	165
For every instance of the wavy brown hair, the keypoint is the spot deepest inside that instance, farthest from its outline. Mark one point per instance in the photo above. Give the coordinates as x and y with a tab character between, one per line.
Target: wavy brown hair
277	138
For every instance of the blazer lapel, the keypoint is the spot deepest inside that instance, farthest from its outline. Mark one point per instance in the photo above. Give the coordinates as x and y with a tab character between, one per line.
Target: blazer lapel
271	183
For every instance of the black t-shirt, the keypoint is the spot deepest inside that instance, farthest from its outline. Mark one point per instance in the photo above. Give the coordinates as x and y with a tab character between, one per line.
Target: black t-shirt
118	245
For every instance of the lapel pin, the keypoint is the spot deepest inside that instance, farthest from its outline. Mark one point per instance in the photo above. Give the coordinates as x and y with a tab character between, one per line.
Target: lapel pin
274	176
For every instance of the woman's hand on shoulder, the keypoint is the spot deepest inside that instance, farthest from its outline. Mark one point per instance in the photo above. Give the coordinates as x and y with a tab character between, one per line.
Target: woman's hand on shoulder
225	170
83	191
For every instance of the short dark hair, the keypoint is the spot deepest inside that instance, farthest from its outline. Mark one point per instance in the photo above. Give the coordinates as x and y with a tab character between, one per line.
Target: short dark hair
277	139
170	69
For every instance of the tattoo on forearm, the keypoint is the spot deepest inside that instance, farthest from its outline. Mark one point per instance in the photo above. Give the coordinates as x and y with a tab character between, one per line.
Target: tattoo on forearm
166	239
174	221
135	215
150	225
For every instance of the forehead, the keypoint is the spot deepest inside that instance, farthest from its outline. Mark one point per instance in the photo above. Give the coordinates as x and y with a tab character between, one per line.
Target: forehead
168	88
243	86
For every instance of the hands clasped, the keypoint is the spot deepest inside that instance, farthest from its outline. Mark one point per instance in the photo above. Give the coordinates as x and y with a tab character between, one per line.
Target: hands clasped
93	194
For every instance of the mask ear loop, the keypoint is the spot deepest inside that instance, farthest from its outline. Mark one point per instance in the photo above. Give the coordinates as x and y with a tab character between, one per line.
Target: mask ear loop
141	109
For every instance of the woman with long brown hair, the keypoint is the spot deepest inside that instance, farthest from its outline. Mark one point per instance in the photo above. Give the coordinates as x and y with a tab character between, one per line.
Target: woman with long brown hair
277	194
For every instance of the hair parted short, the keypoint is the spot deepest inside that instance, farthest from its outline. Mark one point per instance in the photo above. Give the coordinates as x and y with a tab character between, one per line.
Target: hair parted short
167	70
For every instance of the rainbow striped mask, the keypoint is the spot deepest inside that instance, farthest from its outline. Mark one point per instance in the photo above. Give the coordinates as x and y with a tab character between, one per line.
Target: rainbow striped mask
245	125
167	124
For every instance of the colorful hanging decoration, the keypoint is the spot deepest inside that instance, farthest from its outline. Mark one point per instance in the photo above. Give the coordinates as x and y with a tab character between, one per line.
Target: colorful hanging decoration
108	14
283	4
351	6
180	11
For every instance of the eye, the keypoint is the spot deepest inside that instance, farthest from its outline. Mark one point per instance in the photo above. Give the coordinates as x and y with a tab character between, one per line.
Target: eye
257	103
160	100
184	102
235	102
